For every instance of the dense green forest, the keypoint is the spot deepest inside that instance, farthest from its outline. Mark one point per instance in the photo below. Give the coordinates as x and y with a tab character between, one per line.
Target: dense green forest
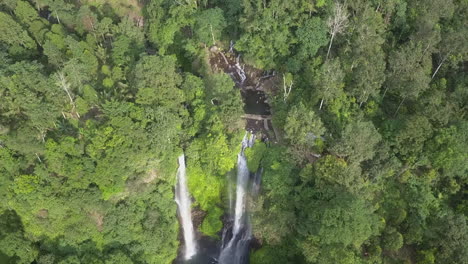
369	99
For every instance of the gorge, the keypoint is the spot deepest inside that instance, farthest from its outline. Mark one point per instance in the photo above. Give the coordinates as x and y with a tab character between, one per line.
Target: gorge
236	235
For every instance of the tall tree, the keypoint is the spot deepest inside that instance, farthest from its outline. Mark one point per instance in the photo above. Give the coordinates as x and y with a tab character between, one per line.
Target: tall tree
358	141
337	23
328	81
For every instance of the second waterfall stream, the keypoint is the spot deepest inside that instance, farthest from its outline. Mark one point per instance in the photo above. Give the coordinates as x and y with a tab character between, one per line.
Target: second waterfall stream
235	244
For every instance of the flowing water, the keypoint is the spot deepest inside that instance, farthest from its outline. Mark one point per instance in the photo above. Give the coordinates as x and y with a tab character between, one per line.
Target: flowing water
184	204
235	242
236	235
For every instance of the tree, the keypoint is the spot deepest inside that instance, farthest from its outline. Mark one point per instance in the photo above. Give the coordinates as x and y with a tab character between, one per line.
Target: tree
409	69
64	12
65	86
311	36
157	81
330	170
224	99
449	234
209	24
261	48
337	218
274	215
12	33
303	127
86	20
27	93
12	239
453	36
25	12
410	139
447	152
366	58
165	19
337	23
125	51
329	81
358	141
392	240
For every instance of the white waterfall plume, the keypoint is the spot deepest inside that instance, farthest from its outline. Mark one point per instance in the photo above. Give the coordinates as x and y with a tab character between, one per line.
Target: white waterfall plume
235	251
182	198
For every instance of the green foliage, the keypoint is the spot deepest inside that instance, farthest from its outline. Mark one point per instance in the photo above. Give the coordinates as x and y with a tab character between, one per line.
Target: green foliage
366	163
207	195
165	19
157	81
367	58
209	25
447	151
13	34
392	240
25	184
273	255
449	234
303	127
312	36
254	155
13	242
408	71
346	220
332	170
358	141
224	99
410	140
328	81
274	211
212	223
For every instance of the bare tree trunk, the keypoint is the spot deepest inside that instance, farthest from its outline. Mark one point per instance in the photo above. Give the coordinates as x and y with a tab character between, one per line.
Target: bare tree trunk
396	112
38	158
385	92
337	23
212	35
438	67
362	101
321	104
62	82
287	90
329	46
56	15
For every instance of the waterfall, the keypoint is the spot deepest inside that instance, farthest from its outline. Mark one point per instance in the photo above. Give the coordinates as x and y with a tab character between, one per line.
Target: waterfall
256	182
240	71
235	251
182	198
230	195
